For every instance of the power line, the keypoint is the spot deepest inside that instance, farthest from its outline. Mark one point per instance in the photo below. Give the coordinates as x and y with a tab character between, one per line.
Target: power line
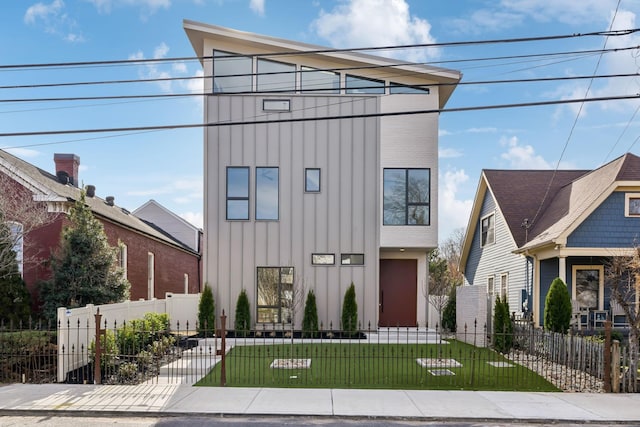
609	33
309	119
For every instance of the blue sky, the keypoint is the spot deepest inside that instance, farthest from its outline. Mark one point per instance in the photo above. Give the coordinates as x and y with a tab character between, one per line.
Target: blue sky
167	165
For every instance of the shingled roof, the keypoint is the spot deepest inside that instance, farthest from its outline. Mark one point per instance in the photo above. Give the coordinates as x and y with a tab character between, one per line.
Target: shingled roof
47	187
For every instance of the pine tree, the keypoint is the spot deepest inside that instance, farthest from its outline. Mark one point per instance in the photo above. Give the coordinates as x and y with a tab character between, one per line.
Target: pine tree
243	315
206	312
502	326
557	307
85	269
310	318
350	312
449	312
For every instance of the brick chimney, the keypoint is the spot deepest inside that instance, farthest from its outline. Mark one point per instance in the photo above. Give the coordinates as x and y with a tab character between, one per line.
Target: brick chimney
67	168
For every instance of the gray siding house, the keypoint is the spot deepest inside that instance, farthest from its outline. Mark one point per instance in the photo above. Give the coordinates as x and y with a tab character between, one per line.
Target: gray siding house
318	174
528	227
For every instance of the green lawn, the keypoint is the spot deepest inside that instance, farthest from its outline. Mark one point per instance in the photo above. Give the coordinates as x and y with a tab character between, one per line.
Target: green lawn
391	366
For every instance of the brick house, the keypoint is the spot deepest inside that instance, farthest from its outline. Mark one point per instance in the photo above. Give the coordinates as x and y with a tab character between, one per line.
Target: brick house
154	260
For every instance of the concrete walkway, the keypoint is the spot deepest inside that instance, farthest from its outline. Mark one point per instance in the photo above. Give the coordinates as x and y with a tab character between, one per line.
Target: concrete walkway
182	399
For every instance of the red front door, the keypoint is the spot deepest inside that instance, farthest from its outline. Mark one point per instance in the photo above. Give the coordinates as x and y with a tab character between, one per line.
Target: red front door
398	292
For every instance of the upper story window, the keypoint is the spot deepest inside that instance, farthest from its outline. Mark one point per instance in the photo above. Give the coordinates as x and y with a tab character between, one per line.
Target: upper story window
232	72
406	197
487	230
312	180
319	81
397	88
275	76
632	204
267	183
355	84
238	193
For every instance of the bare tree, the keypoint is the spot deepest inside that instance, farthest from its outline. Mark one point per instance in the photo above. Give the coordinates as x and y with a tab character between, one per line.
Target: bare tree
623	278
451	250
22	214
440	283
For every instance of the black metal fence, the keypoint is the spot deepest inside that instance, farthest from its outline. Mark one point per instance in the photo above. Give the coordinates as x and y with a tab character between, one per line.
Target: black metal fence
409	358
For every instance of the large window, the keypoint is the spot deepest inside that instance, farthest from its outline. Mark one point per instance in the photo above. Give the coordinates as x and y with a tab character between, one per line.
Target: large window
237	193
487	230
406	197
17	231
588	286
276	76
232	72
266	193
396	88
319	81
275	294
355	84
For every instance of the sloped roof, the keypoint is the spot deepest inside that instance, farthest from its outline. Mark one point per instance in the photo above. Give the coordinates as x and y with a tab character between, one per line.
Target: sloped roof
520	195
47	186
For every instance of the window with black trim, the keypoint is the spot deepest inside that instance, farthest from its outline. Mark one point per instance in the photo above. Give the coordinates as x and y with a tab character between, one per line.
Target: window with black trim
237	193
323	259
487	230
267	193
275	294
319	81
397	88
356	84
352	259
312	180
406	196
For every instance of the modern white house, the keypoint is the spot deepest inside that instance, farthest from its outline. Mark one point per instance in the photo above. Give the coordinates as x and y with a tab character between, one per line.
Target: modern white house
321	170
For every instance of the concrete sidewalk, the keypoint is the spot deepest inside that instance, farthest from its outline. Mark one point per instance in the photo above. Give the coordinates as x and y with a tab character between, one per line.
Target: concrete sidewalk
181	399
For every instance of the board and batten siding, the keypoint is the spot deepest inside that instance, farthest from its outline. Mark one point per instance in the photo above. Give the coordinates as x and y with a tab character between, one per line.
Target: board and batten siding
496	259
342	218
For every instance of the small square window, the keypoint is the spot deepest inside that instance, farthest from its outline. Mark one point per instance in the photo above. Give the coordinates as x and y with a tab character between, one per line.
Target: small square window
352	259
323	259
312	180
632	205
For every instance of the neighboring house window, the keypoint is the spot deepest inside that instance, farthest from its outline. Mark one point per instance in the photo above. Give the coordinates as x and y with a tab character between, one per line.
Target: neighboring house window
267	193
355	84
632	204
487	229
232	72
588	286
275	294
186	283
151	275
490	287
352	259
323	259
312	180
406	196
396	88
122	259
319	81
16	229
238	193
504	285
275	76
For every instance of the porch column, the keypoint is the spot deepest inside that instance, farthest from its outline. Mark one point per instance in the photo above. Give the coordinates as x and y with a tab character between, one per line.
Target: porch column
562	268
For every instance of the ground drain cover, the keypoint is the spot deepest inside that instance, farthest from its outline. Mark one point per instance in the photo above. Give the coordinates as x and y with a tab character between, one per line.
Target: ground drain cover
440	372
439	363
501	364
291	364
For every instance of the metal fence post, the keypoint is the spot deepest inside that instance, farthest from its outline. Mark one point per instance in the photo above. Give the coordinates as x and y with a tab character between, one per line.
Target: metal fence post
97	375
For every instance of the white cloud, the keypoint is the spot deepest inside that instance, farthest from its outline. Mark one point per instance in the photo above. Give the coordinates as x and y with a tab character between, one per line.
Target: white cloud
522	156
448	153
257	6
54	20
195	218
364	23
23	152
156	70
453	213
147	7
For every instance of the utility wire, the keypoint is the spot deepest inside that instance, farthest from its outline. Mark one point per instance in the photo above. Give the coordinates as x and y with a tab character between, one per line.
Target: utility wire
311	119
609	33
